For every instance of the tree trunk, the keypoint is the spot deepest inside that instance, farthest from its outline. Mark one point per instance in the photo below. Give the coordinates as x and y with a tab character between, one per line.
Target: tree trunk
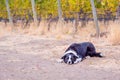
59	10
34	11
118	13
9	14
95	18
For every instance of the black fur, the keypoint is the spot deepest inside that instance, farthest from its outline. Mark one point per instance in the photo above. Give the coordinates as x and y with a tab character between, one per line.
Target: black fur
82	49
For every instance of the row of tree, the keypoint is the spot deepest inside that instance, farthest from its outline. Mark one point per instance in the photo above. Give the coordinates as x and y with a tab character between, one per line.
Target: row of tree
44	8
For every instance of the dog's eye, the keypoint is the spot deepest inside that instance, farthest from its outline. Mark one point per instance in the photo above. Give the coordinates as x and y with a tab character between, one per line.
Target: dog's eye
74	58
67	58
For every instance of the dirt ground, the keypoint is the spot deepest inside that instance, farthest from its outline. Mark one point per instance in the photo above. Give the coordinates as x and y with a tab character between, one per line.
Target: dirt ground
24	57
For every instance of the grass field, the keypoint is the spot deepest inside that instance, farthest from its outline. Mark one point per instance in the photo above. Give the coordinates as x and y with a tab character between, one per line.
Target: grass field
32	53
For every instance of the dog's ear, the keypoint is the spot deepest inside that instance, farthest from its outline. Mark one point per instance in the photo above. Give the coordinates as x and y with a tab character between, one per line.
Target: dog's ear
63	57
75	57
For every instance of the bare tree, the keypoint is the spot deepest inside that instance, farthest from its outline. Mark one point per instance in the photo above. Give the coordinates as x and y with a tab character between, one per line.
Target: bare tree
118	13
59	10
95	18
9	13
34	11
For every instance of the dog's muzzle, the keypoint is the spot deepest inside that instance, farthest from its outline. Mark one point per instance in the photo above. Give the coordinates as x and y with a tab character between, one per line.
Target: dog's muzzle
69	62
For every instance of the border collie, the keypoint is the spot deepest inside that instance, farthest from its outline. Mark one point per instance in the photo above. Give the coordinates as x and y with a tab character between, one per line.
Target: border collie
79	51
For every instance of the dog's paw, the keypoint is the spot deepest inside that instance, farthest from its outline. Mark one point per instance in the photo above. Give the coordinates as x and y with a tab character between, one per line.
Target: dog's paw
78	60
87	57
59	60
101	55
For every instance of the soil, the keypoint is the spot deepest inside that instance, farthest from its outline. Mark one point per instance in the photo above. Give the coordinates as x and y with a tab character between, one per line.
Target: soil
24	57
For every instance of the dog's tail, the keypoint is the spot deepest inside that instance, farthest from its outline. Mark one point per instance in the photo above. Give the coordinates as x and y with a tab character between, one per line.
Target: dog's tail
96	55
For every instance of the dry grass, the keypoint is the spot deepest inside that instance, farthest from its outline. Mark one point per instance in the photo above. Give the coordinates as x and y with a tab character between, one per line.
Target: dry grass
64	30
57	30
5	30
114	37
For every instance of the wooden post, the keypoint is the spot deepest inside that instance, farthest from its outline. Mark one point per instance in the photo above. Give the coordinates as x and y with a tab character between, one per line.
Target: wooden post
34	11
118	14
95	18
59	10
9	13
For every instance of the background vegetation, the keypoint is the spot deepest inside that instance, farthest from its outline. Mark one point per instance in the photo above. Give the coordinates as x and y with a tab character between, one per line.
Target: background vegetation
22	8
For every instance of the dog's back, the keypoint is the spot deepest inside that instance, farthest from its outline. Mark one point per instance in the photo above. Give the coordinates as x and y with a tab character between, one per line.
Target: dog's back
83	49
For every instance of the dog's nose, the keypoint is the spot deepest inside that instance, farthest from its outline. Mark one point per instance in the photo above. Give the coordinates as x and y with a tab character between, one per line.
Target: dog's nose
69	62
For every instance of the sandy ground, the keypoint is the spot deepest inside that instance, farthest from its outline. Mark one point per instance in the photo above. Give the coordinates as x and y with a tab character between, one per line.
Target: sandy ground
24	57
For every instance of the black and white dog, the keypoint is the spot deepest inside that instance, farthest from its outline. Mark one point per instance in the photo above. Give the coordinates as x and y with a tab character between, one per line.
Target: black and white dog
79	51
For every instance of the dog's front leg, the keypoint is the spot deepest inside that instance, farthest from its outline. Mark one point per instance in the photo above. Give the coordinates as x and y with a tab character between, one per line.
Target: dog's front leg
60	60
78	60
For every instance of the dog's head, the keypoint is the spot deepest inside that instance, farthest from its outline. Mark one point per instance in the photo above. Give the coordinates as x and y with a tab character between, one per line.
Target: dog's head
70	58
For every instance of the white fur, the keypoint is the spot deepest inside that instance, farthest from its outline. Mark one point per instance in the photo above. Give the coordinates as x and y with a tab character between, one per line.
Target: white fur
87	57
101	54
71	51
78	60
69	60
60	60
